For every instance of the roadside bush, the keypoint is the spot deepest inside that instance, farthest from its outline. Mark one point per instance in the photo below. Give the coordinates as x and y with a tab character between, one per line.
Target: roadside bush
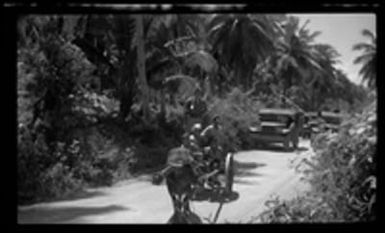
342	175
105	154
46	174
58	181
60	106
32	150
43	174
54	98
238	112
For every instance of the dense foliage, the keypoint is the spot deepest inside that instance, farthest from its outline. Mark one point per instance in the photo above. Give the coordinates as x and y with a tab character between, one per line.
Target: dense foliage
368	59
342	175
57	100
96	104
237	112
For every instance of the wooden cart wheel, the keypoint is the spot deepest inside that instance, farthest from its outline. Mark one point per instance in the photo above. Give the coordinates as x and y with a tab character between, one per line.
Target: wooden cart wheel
229	172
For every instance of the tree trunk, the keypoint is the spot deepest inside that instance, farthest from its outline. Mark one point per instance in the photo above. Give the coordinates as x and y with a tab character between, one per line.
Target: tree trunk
248	78
284	87
238	76
207	87
125	84
125	98
211	84
314	100
162	106
141	66
287	84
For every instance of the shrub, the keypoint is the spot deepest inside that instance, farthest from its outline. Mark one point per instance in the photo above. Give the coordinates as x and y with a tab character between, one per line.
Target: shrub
58	181
53	75
42	173
237	111
341	174
32	152
56	97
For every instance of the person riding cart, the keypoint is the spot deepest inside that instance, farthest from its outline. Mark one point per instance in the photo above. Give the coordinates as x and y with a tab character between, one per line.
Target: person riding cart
202	151
212	137
192	138
195	108
188	173
212	142
205	160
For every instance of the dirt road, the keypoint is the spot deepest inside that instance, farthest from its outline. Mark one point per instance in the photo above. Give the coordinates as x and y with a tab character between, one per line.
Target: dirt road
260	174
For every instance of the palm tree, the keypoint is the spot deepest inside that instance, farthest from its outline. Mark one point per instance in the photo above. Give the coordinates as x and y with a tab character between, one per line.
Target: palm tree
322	83
368	58
240	41
108	42
166	42
176	48
344	87
295	54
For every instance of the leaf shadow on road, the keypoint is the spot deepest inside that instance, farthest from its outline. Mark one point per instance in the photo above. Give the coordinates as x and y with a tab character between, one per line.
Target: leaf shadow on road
276	148
243	173
247	165
82	194
246	169
246	182
64	214
218	195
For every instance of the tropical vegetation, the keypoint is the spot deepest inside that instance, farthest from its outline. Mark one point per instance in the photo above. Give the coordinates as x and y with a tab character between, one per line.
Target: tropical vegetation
368	58
100	97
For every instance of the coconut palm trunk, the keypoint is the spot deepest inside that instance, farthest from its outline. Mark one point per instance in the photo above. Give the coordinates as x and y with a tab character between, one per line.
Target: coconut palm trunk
141	66
162	105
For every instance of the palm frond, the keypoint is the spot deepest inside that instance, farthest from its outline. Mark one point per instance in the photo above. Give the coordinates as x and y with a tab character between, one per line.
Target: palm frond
219	33
369	34
181	85
282	62
364	46
304	25
314	63
202	59
293	63
179	78
314	35
368	72
363	58
218	20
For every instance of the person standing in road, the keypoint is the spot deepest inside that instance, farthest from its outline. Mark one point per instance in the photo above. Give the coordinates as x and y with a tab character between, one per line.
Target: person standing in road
298	124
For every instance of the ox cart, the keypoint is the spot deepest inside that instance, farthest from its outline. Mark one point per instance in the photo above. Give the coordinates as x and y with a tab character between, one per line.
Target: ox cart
185	180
